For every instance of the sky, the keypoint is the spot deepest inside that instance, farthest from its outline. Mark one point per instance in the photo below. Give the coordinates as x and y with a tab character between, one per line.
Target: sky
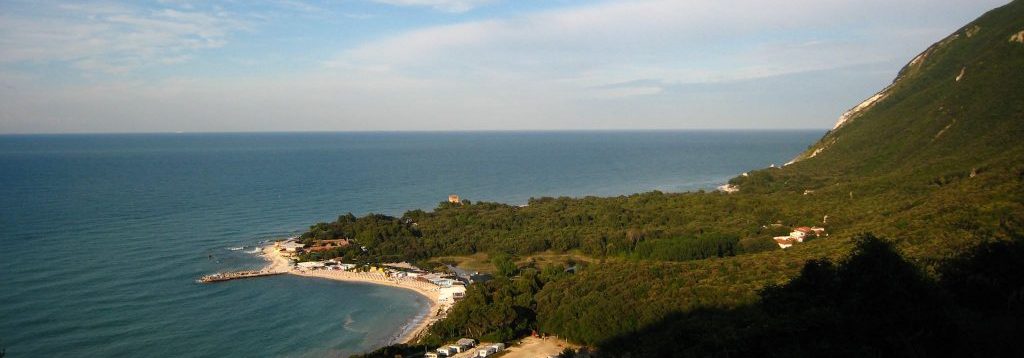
439	65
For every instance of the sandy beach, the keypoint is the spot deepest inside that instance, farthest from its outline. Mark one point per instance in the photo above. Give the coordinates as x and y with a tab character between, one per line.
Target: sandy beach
279	263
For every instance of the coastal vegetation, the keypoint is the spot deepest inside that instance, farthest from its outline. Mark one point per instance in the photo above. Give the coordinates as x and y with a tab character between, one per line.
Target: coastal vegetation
934	165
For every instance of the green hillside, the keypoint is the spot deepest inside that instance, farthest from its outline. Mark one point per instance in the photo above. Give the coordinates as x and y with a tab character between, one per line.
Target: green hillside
941	149
933	168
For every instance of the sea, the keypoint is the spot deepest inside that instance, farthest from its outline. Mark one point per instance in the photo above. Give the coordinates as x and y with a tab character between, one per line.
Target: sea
102	236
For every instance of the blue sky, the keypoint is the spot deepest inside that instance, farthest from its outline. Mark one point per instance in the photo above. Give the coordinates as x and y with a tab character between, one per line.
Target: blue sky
344	65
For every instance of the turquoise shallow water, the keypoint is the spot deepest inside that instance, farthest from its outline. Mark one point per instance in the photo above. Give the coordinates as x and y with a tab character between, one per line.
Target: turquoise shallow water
104	235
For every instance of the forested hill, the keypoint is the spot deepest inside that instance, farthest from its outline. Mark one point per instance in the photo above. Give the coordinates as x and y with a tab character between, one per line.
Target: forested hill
960	100
933	165
958	103
931	154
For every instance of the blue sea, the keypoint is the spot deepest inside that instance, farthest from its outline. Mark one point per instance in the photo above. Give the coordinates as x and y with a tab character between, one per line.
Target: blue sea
103	236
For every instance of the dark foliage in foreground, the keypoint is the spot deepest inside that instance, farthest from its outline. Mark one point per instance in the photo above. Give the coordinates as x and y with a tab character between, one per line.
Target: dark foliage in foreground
937	165
874	303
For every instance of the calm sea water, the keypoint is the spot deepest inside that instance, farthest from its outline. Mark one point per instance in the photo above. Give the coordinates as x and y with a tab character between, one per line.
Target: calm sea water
103	235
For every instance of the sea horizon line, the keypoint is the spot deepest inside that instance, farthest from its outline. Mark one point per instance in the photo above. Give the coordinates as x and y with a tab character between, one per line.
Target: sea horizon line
425	131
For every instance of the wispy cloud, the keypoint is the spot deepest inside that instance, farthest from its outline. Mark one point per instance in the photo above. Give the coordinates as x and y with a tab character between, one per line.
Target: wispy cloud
441	5
112	38
609	64
675	41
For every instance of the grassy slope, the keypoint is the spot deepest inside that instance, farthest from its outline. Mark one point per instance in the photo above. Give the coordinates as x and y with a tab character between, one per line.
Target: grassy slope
887	171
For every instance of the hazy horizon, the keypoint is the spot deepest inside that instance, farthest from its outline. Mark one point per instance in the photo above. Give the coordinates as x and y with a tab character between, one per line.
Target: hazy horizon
428	131
167	66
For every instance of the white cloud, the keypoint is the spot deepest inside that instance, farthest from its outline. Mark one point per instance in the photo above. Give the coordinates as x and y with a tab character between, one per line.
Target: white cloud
112	38
623	64
442	5
672	40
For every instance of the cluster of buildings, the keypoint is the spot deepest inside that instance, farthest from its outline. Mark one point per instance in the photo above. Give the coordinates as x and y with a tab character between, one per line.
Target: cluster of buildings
450	288
490	350
332	264
798	235
466	345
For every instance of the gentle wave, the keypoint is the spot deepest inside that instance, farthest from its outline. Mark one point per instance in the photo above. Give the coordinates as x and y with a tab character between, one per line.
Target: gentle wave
106	235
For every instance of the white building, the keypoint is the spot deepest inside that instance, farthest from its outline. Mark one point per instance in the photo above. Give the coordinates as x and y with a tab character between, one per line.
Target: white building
784	241
798	236
487	351
451	293
311	265
445	351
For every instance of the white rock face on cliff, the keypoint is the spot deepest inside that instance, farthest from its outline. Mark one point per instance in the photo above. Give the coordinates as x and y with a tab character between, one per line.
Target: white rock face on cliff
860	108
914	65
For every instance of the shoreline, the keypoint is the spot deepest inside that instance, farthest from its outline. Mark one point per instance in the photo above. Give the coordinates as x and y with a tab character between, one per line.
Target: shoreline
419	324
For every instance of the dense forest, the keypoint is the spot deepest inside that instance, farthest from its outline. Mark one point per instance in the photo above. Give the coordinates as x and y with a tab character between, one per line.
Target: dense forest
935	166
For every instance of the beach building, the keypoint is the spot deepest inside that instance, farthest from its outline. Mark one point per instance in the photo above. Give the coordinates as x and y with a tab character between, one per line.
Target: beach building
445	351
489	350
311	265
451	293
438	280
457	348
480	277
466	342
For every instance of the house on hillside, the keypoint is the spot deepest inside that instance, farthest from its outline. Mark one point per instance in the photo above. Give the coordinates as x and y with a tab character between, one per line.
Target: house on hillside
454	199
798	235
784	241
